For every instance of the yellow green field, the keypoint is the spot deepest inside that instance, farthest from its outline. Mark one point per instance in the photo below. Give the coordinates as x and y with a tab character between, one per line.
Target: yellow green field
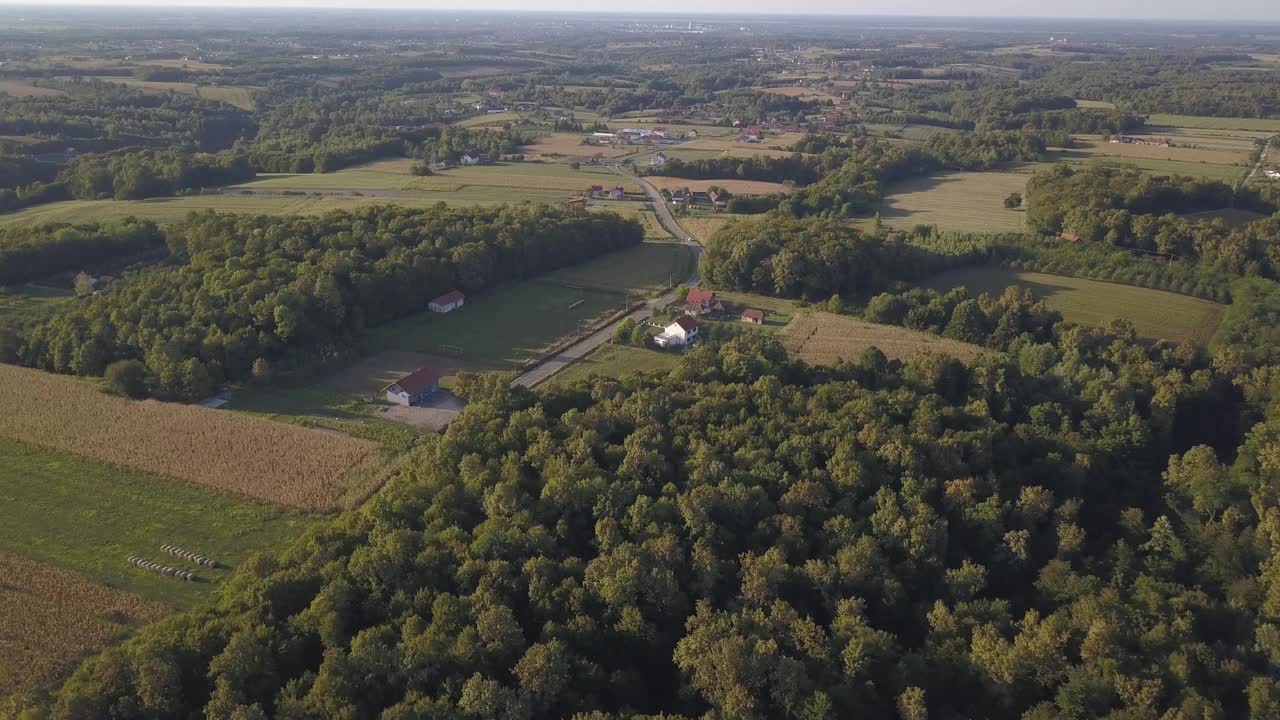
615	361
821	338
1215	123
1155	314
954	201
23	88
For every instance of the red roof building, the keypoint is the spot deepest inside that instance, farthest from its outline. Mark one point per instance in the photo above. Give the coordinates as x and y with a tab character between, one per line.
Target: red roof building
413	388
447	302
687	323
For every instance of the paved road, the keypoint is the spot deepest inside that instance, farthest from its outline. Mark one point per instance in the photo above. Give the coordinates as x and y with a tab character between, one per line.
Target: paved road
554	364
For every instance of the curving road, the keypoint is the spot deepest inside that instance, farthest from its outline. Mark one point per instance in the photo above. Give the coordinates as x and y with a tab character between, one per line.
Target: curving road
569	355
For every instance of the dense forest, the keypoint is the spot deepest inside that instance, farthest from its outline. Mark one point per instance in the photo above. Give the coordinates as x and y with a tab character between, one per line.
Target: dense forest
244	294
1043	534
28	254
1127	207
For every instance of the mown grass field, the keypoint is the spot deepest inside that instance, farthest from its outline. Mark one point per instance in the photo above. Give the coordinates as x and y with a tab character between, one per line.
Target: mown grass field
1155	314
704	226
615	361
88	517
51	619
954	201
237	96
1094	146
508	182
822	338
1215	123
648	268
569	146
496	330
251	457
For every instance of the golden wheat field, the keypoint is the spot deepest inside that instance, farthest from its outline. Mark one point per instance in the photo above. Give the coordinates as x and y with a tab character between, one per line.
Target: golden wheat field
52	618
284	464
821	338
702	228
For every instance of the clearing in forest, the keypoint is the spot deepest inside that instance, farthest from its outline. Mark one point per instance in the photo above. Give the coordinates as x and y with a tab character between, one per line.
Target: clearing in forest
1155	314
53	618
821	338
273	462
967	201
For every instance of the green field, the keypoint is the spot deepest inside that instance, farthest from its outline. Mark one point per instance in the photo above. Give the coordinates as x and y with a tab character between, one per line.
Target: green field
27	303
382	183
615	361
970	201
778	311
88	517
648	268
1155	314
1215	123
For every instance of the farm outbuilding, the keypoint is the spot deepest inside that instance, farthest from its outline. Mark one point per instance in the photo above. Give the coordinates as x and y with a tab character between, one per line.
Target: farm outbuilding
447	302
413	389
753	316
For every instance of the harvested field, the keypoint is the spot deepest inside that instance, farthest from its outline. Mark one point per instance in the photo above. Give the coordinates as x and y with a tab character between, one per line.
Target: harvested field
256	458
799	91
1155	314
53	618
1098	104
737	187
570	146
1094	146
702	228
821	338
23	88
955	201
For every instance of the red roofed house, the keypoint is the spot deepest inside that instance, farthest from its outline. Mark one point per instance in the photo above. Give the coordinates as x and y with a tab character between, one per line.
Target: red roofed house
679	333
1069	237
413	388
447	302
701	302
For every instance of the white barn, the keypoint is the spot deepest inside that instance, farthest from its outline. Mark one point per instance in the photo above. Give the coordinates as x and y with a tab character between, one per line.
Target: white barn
447	302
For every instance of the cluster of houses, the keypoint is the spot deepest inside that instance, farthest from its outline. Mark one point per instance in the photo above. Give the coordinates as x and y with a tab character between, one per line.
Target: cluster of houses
700	303
686	197
633	136
1131	140
616	192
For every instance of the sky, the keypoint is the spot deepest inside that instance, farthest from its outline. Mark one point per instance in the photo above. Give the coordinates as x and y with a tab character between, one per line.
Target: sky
1224	10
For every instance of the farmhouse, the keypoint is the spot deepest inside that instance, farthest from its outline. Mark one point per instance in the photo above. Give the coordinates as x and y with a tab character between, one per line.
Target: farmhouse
715	199
1129	140
413	389
679	333
618	193
447	302
679	196
702	302
659	160
753	316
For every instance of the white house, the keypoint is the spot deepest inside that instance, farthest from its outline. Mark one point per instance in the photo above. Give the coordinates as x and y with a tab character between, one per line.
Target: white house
679	333
1273	174
659	160
447	302
413	389
469	159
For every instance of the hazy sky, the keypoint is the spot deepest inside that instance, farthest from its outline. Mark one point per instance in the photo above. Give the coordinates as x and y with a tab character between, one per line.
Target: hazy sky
1153	9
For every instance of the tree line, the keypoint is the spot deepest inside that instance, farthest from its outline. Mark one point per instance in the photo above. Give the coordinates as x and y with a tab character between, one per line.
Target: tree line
32	253
245	295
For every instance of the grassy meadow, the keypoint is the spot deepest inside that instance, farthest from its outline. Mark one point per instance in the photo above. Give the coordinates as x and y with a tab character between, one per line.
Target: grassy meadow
821	338
88	517
615	361
1155	314
970	201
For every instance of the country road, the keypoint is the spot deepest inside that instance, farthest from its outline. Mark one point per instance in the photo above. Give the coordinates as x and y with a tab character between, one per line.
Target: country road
575	352
1262	159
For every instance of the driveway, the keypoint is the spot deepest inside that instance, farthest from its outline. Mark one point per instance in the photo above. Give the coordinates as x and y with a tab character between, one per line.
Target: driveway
440	410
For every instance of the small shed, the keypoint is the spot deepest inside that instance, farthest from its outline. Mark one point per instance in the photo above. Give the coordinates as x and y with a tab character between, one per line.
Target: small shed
753	316
447	302
413	389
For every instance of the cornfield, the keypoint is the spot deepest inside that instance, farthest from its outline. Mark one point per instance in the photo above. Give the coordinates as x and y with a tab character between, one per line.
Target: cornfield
53	618
822	338
309	470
